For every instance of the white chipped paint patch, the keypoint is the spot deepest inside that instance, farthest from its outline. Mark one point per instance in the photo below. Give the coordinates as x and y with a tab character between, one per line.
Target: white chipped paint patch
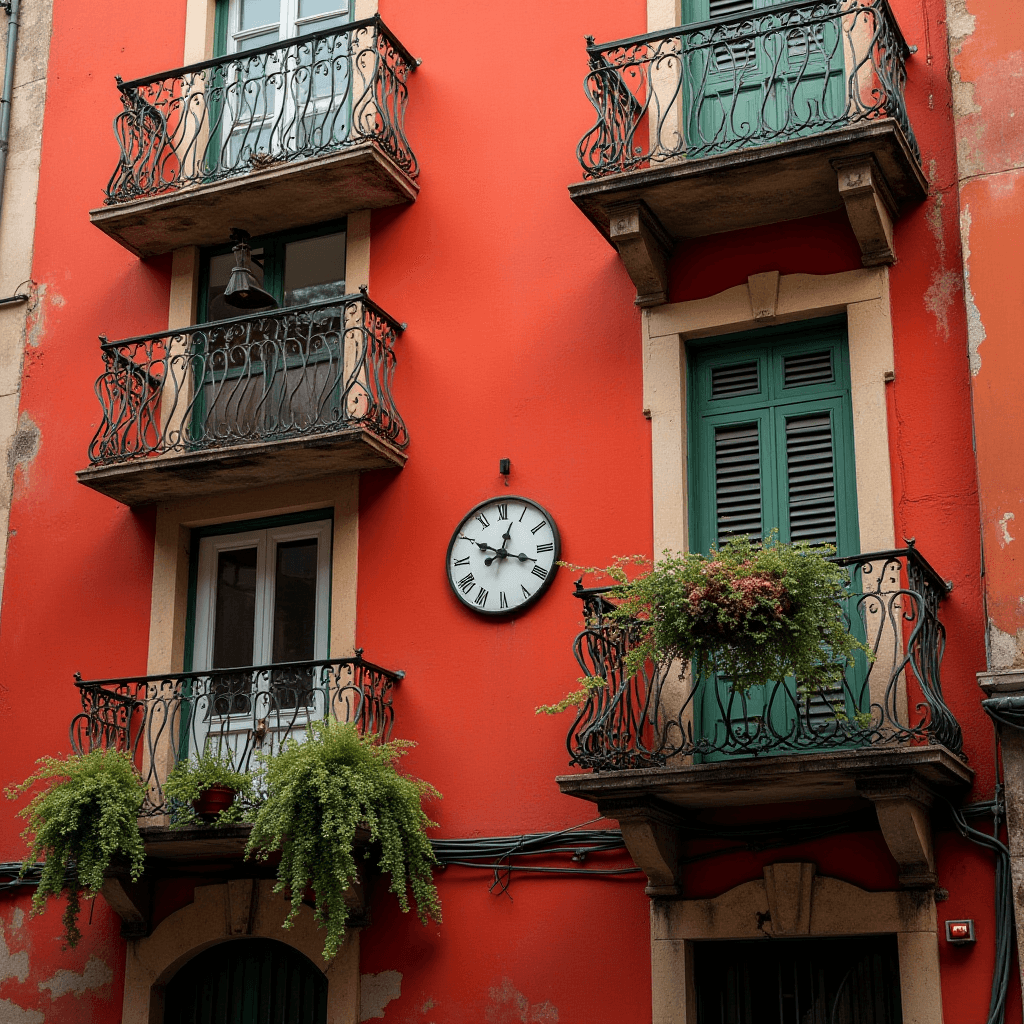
11	1013
96	974
12	965
1004	528
376	991
509	1006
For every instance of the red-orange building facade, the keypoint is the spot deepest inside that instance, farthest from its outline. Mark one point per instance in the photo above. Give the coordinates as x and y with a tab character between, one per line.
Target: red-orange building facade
565	331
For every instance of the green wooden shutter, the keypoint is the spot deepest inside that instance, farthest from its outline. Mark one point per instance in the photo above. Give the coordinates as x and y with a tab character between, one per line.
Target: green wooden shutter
771	448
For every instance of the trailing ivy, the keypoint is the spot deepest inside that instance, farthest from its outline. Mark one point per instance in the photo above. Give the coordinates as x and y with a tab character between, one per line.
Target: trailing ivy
753	612
189	779
86	815
320	791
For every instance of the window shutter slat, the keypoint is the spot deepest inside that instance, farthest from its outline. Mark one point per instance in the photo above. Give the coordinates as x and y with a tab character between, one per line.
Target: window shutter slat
732	381
810	467
812	368
738	482
727	8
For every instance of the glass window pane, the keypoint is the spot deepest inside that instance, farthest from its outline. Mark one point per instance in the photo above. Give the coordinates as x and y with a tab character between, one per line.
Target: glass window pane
235	614
220	271
314	269
260	12
295	601
309	8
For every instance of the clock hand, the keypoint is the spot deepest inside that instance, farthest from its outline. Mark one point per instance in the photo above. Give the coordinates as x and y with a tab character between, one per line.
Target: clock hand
479	544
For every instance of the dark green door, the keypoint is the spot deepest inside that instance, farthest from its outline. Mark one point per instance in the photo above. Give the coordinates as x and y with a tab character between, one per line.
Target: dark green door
753	79
771	448
249	981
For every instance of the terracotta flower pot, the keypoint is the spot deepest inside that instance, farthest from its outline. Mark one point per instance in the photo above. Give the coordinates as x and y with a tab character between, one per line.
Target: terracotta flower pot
212	801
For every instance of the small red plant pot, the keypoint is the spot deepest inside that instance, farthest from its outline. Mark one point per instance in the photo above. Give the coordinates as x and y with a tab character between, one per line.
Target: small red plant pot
212	801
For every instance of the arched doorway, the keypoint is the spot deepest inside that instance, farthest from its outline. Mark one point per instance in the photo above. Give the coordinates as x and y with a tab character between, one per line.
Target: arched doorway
248	981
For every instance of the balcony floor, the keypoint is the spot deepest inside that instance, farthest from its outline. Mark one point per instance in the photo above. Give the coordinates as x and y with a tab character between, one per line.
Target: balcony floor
752	187
789	778
290	195
177	475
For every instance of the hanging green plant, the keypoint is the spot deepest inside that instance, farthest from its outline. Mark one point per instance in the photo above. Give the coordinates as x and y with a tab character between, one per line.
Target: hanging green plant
753	612
207	788
320	791
86	815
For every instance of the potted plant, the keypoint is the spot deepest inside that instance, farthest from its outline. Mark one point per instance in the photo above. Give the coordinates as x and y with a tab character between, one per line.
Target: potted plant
86	815
320	791
753	612
208	785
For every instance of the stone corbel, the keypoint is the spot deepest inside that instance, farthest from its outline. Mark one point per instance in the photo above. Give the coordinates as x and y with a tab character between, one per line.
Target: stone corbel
790	890
644	247
870	207
651	835
131	901
903	813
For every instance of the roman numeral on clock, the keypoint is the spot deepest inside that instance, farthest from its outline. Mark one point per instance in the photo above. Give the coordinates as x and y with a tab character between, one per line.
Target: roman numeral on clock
539	526
483	520
503	511
539	572
462	561
545	547
481	597
526	593
503	601
466	583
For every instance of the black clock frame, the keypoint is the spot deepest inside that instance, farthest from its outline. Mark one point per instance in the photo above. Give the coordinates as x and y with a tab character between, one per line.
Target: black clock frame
539	593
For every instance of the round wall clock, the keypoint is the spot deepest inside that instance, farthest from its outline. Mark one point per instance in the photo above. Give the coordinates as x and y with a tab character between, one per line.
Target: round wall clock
503	555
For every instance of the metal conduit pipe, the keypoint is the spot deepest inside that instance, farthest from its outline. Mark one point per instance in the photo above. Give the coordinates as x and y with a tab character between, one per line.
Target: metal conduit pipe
13	8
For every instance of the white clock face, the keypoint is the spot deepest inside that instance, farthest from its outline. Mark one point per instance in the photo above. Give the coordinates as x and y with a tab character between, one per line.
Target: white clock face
503	555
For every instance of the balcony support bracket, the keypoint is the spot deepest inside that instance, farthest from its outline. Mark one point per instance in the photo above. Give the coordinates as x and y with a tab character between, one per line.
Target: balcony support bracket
870	207
644	247
650	831
902	805
131	901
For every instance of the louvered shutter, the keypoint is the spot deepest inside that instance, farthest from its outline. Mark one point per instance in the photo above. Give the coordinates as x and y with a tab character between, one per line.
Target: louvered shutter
738	483
811	480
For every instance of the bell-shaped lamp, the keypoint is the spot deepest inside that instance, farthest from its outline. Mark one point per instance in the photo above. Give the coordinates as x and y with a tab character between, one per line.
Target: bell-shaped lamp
242	290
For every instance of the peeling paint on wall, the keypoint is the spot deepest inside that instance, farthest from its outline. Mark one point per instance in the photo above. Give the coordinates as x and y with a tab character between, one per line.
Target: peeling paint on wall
96	975
376	991
11	1013
508	1006
960	24
1005	650
12	965
1004	528
975	328
24	447
941	295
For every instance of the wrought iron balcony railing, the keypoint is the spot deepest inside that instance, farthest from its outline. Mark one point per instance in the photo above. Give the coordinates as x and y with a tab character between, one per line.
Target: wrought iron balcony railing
288	373
299	98
657	716
163	719
764	76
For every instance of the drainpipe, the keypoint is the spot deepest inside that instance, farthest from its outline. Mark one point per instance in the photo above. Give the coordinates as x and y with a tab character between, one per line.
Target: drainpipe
13	8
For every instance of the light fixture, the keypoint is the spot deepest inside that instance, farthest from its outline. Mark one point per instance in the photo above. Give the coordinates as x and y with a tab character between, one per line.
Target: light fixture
243	291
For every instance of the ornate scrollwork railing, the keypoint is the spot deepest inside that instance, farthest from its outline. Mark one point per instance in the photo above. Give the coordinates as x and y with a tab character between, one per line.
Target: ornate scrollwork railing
299	98
659	714
272	376
165	718
751	79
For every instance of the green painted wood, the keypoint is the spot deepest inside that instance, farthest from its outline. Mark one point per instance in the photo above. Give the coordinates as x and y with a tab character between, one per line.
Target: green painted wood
247	981
724	394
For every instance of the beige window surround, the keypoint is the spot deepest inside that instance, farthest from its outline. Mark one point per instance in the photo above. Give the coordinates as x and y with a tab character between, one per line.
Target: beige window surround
792	901
242	908
767	300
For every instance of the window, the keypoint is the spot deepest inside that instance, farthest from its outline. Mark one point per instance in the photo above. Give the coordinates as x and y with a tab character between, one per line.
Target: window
798	981
261	615
771	438
247	24
296	268
771	448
